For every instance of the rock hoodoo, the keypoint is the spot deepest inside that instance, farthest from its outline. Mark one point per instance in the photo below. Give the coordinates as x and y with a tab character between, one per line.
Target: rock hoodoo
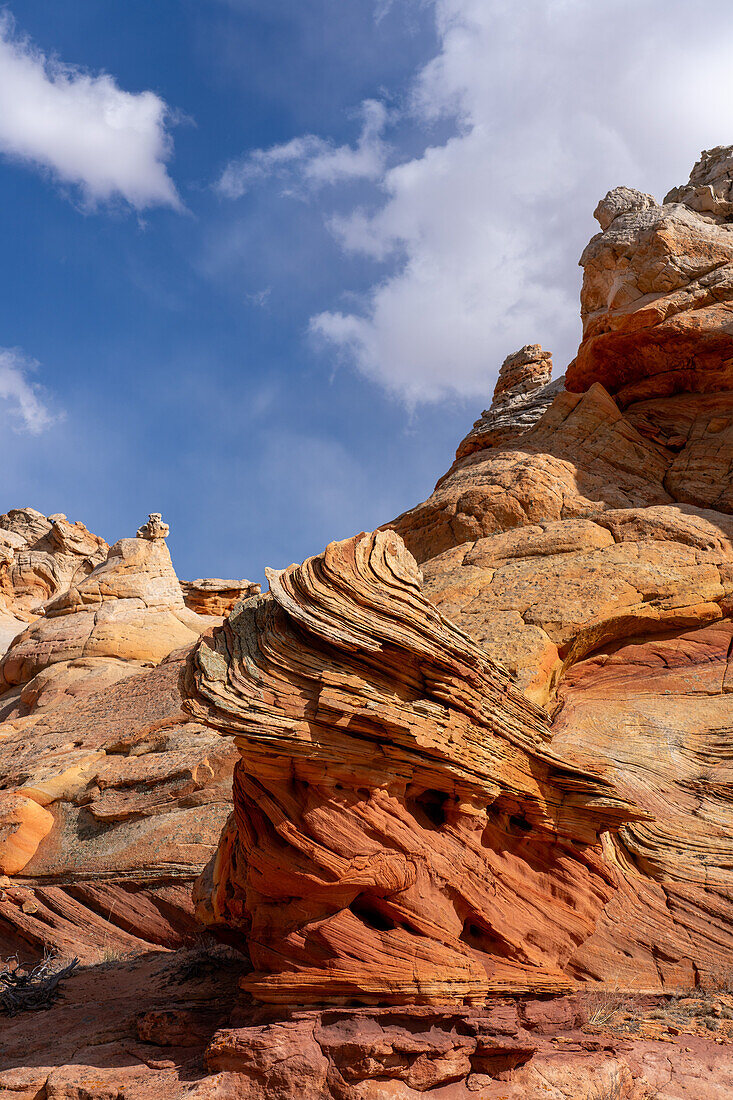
154	528
522	394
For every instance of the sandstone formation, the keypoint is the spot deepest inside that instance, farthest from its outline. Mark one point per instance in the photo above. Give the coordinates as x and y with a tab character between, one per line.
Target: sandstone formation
401	829
656	302
129	610
213	596
111	798
593	554
523	392
167	1027
479	757
39	558
154	528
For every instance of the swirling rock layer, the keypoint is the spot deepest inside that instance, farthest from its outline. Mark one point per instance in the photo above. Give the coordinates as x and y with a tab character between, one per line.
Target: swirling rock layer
593	553
402	829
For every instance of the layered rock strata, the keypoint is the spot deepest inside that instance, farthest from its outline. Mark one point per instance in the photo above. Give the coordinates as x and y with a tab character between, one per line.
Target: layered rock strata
593	553
523	392
402	829
111	798
213	596
39	558
168	1027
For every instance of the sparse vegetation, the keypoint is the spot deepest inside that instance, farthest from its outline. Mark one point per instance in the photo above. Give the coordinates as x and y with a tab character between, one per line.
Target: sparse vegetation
204	957
29	989
603	1006
609	1089
112	954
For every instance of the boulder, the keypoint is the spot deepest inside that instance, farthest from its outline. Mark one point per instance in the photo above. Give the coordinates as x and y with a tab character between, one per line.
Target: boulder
213	596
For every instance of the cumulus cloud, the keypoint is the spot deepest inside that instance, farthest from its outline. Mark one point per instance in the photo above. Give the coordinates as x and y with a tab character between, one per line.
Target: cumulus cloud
311	160
24	400
549	103
83	128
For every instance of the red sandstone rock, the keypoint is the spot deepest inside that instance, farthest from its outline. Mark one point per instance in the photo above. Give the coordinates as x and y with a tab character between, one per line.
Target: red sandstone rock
407	827
657	290
400	830
595	558
149	1030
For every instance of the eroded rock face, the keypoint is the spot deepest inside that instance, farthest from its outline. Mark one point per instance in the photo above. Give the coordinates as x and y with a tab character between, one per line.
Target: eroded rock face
657	294
39	558
593	555
401	829
581	457
213	596
156	1028
710	187
409	826
111	798
129	609
522	394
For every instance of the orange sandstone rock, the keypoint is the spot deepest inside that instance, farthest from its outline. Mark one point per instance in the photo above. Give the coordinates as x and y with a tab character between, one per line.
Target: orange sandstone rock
657	295
212	596
402	830
39	558
113	799
593	556
23	825
129	609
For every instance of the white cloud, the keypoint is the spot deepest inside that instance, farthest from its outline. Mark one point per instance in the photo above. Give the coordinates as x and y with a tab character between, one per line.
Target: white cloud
26	400
82	128
552	103
313	161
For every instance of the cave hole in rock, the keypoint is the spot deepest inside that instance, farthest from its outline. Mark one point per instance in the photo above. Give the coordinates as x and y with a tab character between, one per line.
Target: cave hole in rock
479	937
431	805
518	824
505	823
367	911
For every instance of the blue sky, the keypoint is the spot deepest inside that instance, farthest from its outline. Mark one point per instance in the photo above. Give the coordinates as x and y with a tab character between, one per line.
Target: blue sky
262	260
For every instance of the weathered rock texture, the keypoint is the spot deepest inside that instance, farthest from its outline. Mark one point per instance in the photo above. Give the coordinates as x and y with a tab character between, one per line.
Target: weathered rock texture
126	614
414	823
593	554
111	798
212	596
402	830
168	1027
522	394
40	557
657	298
